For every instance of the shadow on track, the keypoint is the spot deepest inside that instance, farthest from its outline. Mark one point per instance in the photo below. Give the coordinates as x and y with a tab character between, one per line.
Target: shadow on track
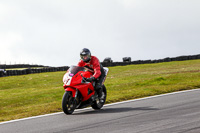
116	110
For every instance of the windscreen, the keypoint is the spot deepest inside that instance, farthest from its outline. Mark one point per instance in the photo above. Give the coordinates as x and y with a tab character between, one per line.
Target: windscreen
75	69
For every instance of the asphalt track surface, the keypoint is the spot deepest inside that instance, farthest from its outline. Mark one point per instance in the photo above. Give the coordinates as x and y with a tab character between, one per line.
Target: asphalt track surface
169	113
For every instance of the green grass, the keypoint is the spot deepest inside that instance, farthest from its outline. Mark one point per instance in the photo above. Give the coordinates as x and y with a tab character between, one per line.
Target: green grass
37	94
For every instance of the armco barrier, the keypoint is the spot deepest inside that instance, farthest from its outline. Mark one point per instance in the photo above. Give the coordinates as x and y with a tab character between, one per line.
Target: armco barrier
168	59
4	66
1	73
65	68
31	71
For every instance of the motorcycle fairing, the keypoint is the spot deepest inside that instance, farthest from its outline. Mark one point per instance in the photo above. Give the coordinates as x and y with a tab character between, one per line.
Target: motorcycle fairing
86	90
73	81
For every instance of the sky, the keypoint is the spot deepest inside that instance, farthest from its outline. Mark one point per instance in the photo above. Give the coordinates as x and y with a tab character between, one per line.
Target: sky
53	32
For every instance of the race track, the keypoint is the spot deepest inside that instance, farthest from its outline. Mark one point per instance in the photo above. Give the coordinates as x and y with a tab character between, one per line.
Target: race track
170	113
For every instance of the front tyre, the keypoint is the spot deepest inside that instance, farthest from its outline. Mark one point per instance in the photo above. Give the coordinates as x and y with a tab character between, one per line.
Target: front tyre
68	103
97	104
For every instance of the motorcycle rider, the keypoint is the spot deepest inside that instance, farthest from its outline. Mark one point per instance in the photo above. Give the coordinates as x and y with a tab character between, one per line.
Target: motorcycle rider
91	63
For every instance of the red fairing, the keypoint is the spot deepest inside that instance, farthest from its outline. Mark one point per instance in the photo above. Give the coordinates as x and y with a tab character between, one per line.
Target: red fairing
75	82
83	90
73	90
94	64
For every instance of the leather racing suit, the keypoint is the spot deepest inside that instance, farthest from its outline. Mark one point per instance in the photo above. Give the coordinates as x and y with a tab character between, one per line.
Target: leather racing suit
97	69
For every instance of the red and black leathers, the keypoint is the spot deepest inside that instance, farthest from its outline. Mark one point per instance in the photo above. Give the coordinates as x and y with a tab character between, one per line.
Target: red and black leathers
93	65
98	73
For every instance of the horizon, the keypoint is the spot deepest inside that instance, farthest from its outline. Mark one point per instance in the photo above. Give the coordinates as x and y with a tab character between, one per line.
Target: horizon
115	61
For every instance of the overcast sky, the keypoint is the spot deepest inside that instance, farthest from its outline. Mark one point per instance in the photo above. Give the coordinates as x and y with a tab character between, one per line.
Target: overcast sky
53	32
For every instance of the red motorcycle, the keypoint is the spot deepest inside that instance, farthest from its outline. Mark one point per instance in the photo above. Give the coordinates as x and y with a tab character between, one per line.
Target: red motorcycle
78	92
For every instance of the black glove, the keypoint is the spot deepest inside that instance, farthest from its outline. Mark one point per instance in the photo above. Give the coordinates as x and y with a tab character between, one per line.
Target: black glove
90	79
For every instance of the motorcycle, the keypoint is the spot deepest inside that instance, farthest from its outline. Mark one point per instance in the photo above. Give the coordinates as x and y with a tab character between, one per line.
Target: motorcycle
78	92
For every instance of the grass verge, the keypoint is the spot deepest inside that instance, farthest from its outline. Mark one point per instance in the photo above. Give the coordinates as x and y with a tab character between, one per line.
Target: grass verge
37	94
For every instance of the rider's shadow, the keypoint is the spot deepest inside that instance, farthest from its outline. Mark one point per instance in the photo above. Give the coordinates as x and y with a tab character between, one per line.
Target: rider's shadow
116	110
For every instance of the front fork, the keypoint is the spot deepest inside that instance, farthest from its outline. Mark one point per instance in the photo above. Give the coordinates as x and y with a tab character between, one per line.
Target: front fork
73	90
76	94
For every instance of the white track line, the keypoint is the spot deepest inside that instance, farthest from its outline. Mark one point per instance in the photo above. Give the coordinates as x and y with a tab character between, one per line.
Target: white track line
28	118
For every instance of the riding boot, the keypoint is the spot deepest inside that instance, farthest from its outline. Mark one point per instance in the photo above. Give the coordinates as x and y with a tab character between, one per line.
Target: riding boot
99	90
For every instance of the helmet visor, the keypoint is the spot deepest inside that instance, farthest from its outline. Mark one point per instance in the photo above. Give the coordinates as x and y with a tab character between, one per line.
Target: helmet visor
85	57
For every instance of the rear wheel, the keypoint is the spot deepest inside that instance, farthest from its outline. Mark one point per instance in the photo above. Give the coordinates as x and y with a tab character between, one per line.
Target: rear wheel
97	104
68	103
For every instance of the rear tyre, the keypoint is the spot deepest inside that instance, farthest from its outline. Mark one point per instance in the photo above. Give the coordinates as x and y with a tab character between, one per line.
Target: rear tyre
97	104
68	103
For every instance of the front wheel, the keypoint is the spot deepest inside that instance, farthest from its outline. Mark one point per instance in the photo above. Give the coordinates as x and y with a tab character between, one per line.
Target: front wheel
68	103
97	104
